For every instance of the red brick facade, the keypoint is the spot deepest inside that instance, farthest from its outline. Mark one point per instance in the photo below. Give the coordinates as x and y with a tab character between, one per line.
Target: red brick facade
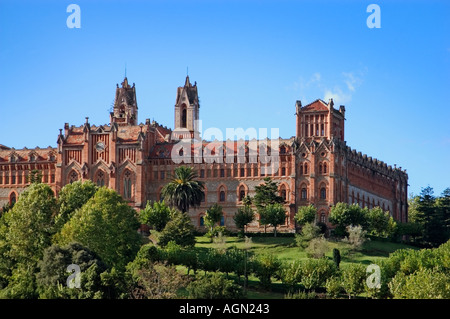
316	166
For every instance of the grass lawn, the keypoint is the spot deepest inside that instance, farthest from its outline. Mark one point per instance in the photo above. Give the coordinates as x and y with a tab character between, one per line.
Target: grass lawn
285	249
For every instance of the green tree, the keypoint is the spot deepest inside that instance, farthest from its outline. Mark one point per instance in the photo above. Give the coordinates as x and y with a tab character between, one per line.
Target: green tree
52	275
31	223
336	257
380	223
426	212
306	214
244	216
343	215
180	230
266	194
35	177
72	197
25	232
213	216
309	232
107	225
184	191
156	215
273	214
443	204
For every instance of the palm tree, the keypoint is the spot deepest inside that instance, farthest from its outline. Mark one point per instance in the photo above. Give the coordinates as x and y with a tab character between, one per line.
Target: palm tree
183	190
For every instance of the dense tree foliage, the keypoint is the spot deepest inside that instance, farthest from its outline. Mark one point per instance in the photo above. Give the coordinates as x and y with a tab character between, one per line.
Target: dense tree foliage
107	225
72	197
343	215
213	216
52	275
156	215
266	194
180	230
306	214
25	232
432	216
244	216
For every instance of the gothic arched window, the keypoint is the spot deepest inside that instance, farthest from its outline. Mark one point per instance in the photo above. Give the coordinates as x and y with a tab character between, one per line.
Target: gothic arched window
283	192
304	193
183	118
127	185
100	181
222	194
323	193
12	199
73	176
241	193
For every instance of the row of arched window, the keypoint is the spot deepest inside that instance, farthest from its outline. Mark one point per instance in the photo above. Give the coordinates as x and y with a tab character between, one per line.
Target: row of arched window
322	192
304	168
242	192
201	220
100	178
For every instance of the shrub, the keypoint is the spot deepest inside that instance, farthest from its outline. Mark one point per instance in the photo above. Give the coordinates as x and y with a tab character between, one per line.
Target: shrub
334	286
317	247
309	232
422	284
353	279
157	281
315	272
290	274
265	266
214	286
356	236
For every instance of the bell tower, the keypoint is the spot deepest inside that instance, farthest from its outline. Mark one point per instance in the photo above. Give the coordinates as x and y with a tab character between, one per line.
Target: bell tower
187	109
125	110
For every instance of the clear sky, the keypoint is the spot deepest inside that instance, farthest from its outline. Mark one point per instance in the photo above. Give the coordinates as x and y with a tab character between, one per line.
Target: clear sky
251	59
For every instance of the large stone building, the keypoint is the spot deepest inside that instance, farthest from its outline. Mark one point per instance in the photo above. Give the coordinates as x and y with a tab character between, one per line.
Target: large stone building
315	166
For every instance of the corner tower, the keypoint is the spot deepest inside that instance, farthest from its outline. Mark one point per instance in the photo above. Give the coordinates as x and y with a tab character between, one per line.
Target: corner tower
187	109
125	110
320	120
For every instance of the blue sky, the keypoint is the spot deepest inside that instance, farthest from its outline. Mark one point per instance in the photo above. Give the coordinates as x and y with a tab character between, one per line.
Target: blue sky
251	59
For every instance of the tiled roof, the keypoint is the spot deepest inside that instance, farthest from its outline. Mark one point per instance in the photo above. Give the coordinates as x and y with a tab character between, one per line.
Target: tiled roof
317	105
23	155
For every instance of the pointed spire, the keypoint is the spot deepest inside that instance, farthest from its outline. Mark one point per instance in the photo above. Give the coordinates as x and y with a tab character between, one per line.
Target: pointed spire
187	83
